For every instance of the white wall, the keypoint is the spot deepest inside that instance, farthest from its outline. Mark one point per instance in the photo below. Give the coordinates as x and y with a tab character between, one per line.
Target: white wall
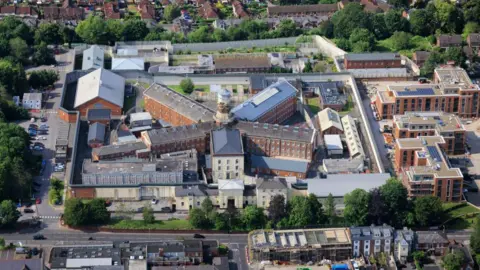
230	167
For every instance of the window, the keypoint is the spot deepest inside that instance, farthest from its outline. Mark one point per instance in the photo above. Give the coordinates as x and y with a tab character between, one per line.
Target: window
219	168
198	203
219	162
228	161
183	203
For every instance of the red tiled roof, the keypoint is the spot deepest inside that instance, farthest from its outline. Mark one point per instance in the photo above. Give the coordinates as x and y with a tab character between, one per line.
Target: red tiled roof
238	9
208	11
111	11
8	10
147	10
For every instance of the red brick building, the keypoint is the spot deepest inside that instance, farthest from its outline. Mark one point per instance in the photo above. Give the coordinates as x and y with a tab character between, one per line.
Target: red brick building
278	167
419	57
242	64
372	60
178	110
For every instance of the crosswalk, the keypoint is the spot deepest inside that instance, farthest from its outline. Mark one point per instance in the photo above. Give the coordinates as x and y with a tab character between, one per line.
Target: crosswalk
49	217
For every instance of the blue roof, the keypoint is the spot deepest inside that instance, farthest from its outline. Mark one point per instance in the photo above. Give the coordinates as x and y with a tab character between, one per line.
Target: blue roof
264	101
417	92
279	164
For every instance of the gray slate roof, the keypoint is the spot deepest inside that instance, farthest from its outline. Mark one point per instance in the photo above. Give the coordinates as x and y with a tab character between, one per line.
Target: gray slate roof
96	132
341	184
275	183
99	114
372	56
30	264
103	84
279	164
93	57
264	101
226	141
258	81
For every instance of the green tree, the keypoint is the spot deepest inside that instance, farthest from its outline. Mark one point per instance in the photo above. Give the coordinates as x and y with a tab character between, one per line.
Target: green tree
330	208
308	67
19	49
287	28
453	261
201	35
470	27
356	207
471	9
68	35
222	222
43	55
347	19
8	214
75	212
187	85
171	12
428	211
93	30
455	54
42	78
253	217
395	21
319	67
475	236
277	208
399	3
98	212
433	60
449	16
13	77
49	33
421	22
379	26
343	44
396	201
305	211
419	257
116	30
198	219
362	36
2	242
219	35
148	216
134	30
400	40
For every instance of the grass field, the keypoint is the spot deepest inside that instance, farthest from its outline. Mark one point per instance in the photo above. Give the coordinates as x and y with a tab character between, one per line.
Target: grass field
177	224
460	216
417	43
314	104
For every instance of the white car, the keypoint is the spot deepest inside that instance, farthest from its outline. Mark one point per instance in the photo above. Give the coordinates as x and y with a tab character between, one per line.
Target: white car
154	201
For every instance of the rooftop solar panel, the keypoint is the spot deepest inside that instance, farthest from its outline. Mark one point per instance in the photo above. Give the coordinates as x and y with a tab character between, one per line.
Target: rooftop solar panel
433	151
417	92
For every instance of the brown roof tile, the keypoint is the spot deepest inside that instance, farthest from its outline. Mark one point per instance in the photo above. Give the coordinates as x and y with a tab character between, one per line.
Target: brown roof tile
111	11
449	40
242	61
474	39
294	9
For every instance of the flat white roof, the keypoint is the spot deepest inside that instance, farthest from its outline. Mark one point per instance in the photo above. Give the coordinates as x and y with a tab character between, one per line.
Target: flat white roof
333	142
84	262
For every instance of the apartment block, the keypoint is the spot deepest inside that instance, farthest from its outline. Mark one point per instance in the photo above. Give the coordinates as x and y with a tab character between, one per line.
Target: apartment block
424	168
372	240
446	125
453	92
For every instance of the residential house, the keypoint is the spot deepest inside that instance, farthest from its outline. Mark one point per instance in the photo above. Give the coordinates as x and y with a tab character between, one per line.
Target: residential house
18	11
32	101
432	242
468	262
239	10
96	135
22	264
227	154
52	13
372	240
375	6
419	57
111	11
208	11
302	10
445	41
147	11
403	245
473	41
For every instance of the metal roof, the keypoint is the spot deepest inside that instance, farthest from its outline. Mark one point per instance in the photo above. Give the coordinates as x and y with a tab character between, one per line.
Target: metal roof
226	141
103	84
140	116
372	56
84	262
257	81
264	101
96	132
32	96
333	142
30	264
279	164
352	137
93	57
340	184
275	183
329	118
231	184
99	114
128	64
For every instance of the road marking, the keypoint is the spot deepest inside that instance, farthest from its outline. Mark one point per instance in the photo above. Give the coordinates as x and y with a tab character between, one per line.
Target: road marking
49	217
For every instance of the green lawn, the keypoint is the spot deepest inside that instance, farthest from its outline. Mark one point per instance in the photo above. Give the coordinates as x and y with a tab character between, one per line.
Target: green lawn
177	224
460	216
314	104
417	43
204	88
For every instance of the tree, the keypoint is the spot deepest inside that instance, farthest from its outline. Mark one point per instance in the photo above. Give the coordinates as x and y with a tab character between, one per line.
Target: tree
68	35
449	17
287	28
198	219
376	208
330	208
399	3
379	26
277	208
19	49
222	222
319	67
395	21
343	44
171	12
419	257
400	40
308	67
98	212
75	212
433	60
453	261
421	22
396	201
365	37
475	237
455	54
305	211
93	30
470	27
428	211
471	9
43	55
49	33
219	35
201	35
135	30
347	19
2	242
316	208
356	207
13	77
253	217
42	78
8	214
116	30
148	216
187	85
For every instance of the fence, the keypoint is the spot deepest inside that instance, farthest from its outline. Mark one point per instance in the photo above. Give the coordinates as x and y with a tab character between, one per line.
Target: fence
217	46
327	47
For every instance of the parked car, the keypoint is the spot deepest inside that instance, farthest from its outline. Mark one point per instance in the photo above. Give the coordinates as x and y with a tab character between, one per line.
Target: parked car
58	169
28	204
28	210
38	148
32	132
32	120
198	236
44	126
37	184
39	144
154	201
34	126
39	237
108	203
43	119
38	201
166	210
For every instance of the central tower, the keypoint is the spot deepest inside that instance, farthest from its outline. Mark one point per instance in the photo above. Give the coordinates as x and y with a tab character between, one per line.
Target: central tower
223	115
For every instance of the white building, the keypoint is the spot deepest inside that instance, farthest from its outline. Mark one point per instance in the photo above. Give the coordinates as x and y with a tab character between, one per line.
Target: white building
93	58
403	244
32	101
371	240
352	137
230	193
269	188
333	144
227	154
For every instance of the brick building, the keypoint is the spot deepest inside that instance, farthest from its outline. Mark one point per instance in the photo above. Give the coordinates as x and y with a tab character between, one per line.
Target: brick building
120	151
419	57
176	109
273	105
372	60
449	126
100	89
473	41
453	92
279	166
445	41
302	10
242	64
329	121
372	240
424	169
